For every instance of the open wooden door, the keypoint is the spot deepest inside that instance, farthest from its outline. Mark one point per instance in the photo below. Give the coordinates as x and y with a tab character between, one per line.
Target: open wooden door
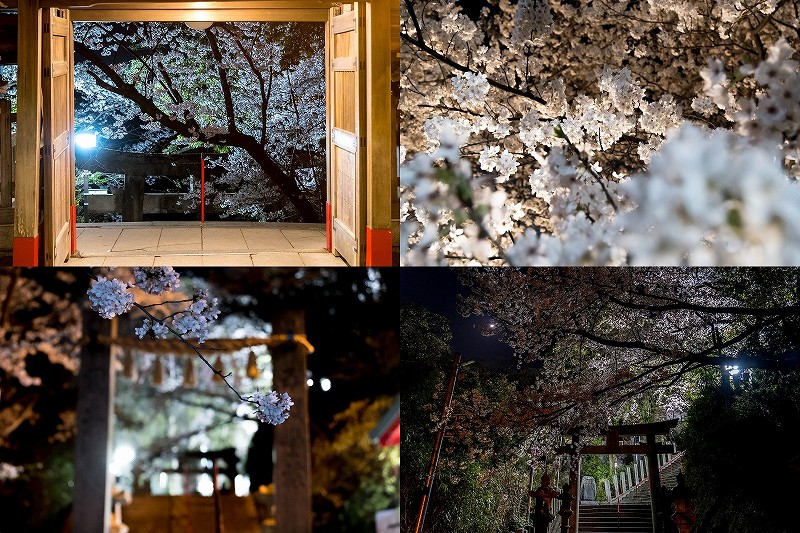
57	106
347	158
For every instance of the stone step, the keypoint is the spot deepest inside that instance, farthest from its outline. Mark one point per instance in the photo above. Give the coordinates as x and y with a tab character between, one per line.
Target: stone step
628	518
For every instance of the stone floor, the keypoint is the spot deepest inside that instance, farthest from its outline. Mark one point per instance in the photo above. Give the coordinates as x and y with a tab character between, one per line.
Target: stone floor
209	244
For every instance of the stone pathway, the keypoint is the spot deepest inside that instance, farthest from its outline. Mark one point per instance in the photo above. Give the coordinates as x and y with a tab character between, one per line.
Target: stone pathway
209	244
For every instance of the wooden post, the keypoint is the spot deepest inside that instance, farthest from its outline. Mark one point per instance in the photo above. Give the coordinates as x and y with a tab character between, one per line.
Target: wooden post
380	137
574	488
29	123
437	447
6	162
655	483
566	508
292	440
218	519
92	497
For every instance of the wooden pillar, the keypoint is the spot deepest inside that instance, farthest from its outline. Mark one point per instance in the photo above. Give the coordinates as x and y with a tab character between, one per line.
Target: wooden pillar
395	190
655	482
330	180
92	497
574	485
6	162
292	440
380	137
29	121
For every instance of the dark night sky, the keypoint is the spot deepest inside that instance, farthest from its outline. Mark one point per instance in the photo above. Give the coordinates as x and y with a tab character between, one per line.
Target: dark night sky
436	289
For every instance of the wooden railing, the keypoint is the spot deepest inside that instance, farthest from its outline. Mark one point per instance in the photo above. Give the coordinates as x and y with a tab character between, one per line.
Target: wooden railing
635	475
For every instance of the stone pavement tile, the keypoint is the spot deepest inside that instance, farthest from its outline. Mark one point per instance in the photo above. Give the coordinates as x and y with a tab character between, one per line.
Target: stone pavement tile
93	261
178	260
265	240
180	249
277	259
305	240
227	260
97	241
179	236
128	261
138	240
326	259
226	240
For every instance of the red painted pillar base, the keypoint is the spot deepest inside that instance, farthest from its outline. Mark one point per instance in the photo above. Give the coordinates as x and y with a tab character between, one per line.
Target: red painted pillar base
328	228
26	251
73	229
379	247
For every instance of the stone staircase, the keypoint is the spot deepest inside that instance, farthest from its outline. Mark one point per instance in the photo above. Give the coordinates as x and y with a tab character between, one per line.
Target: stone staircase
625	518
640	493
631	513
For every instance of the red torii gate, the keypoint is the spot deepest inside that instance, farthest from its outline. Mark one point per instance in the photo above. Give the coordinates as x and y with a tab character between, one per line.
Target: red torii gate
650	448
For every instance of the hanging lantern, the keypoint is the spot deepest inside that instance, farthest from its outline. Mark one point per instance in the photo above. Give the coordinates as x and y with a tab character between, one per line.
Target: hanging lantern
128	365
221	369
189	379
158	372
252	367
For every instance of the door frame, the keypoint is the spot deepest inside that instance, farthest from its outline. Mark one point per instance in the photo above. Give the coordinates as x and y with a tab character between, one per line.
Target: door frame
379	163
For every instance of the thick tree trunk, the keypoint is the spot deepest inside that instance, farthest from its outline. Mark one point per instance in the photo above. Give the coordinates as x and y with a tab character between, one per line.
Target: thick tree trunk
92	496
292	441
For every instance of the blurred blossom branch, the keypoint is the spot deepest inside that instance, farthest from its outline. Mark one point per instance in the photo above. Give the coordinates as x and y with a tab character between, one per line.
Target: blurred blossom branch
191	320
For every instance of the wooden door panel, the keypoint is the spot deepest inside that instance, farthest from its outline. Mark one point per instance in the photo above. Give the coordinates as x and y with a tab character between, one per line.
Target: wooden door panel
57	127
347	125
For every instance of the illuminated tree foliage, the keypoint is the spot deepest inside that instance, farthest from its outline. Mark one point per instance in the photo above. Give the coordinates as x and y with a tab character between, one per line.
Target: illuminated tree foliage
605	346
253	93
556	132
481	469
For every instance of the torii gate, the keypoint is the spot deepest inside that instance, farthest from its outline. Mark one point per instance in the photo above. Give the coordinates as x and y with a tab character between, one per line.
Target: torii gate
96	385
613	447
362	54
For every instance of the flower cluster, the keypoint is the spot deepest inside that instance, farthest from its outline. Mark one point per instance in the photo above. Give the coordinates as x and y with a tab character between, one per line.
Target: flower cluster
775	115
156	280
444	201
470	89
9	471
272	409
711	199
195	320
110	297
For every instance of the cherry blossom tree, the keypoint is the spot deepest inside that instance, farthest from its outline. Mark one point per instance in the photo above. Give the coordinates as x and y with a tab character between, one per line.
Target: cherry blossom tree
41	324
602	337
595	347
252	93
590	132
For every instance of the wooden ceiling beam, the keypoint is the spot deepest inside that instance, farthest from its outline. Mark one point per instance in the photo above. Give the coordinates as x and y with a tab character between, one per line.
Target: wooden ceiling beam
130	13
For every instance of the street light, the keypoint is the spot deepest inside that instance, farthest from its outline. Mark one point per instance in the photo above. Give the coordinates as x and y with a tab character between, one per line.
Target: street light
86	140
